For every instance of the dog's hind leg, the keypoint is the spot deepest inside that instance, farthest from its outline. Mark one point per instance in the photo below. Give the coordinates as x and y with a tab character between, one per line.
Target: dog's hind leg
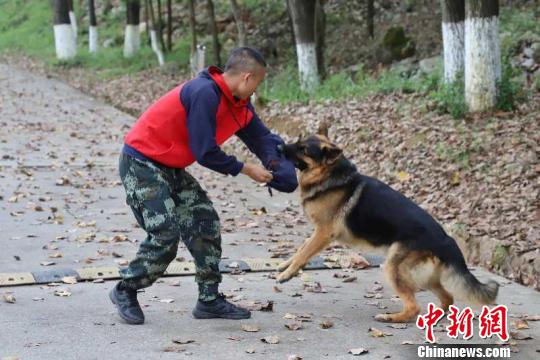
401	280
320	240
444	296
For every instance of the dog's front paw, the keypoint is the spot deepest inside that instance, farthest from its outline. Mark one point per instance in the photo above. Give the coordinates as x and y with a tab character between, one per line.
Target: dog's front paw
383	317
284	277
283	266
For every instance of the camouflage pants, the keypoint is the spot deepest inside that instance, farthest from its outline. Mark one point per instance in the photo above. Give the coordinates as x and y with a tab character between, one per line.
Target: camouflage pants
170	205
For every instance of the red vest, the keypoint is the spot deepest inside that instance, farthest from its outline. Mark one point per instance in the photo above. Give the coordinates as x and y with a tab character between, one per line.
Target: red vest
161	132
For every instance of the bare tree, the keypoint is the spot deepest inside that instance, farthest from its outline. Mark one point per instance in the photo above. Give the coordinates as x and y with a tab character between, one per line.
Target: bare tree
64	38
453	32
147	22
303	19
169	25
320	29
132	37
153	34
213	29
192	26
370	18
160	26
92	30
237	13
72	19
482	54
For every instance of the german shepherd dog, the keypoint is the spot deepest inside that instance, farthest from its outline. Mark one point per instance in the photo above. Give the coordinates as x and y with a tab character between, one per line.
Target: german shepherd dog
359	210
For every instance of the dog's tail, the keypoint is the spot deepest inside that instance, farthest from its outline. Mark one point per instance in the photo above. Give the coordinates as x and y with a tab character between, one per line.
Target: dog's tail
461	283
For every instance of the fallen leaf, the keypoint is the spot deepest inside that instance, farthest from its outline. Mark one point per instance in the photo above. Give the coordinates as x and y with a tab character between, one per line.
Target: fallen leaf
174	349
182	342
358	351
326	324
315	288
62	292
9	298
532	317
270	339
69	280
520	324
517	335
250	328
296	325
378	333
399	326
403	176
294	357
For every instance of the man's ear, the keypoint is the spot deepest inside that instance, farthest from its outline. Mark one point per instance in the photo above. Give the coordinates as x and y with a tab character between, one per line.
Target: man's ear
331	154
323	129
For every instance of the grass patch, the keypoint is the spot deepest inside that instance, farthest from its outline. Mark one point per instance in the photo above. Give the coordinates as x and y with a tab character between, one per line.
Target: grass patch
26	27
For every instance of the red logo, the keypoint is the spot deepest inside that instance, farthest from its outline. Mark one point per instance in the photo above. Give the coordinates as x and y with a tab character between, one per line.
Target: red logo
491	322
460	323
433	316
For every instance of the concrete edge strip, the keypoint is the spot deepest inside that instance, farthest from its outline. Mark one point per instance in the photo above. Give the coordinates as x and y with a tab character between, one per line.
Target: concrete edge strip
174	269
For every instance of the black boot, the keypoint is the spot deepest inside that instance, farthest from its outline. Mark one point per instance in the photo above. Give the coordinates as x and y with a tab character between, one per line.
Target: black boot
219	308
125	300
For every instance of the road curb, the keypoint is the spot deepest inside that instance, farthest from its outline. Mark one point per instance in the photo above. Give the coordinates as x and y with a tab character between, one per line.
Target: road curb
174	269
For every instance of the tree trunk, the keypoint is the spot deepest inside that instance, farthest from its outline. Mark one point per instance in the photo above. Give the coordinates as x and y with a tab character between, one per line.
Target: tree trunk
160	26
192	26
198	60
169	25
320	28
72	19
303	18
153	35
132	38
64	38
482	54
237	13
147	22
453	32
370	18
213	29
92	30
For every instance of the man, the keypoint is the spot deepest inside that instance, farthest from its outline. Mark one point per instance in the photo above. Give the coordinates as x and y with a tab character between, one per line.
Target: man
189	124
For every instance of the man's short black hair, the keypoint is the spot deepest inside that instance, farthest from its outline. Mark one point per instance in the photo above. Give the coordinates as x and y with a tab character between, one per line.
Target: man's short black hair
244	59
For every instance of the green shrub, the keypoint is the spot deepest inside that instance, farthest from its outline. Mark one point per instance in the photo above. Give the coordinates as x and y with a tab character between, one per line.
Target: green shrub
450	98
510	88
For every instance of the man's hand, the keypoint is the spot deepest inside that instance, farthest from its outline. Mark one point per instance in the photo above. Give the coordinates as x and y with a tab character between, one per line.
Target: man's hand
257	173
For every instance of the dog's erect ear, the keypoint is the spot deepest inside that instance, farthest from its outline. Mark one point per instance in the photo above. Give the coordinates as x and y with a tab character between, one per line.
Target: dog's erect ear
323	129
331	154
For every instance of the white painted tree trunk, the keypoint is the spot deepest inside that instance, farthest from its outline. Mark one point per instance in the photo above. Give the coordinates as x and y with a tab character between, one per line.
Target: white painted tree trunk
307	66
73	21
198	60
93	40
155	47
64	41
453	44
132	40
482	62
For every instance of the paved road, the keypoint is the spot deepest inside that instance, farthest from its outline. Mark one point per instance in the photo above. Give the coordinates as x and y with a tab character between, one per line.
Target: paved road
61	202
